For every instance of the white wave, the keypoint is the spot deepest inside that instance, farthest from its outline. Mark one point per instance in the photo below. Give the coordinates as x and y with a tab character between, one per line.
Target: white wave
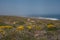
45	18
48	18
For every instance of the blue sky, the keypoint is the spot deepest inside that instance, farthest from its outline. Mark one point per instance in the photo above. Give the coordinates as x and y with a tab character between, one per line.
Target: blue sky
30	7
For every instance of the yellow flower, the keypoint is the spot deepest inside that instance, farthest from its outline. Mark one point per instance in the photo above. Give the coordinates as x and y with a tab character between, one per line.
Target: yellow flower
2	32
38	28
50	25
21	27
7	27
29	27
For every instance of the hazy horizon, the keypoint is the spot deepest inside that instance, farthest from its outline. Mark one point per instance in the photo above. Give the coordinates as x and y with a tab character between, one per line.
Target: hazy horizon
43	8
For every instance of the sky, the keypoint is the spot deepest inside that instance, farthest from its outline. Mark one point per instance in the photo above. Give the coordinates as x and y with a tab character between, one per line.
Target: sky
46	8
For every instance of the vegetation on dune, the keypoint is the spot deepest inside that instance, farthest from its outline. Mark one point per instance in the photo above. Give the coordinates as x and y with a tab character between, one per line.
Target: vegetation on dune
20	28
